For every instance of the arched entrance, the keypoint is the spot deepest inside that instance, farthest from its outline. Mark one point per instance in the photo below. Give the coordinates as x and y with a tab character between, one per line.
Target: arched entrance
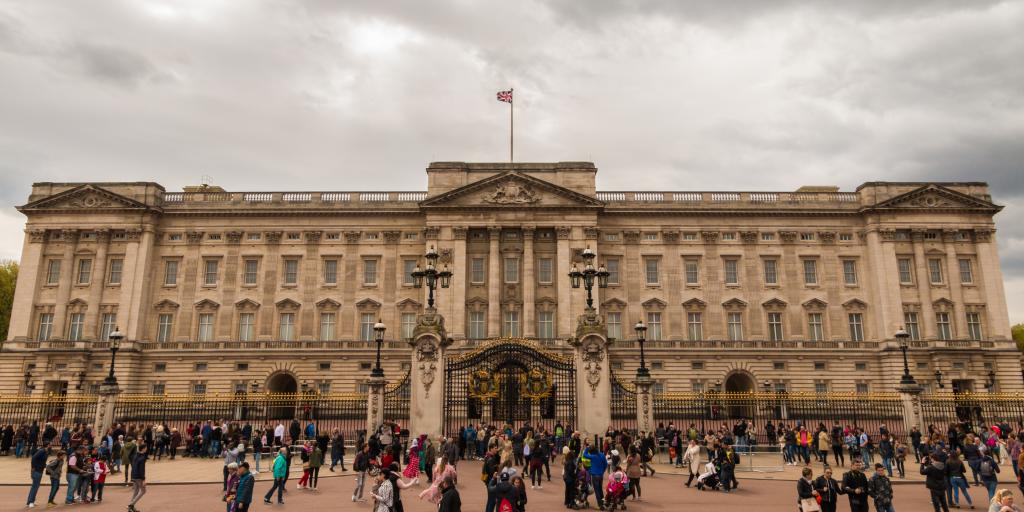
738	406
282	406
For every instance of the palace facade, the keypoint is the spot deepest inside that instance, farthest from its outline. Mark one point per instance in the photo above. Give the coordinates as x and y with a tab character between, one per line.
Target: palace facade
225	292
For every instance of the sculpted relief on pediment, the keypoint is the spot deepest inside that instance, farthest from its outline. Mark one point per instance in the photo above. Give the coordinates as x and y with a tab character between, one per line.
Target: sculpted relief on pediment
511	192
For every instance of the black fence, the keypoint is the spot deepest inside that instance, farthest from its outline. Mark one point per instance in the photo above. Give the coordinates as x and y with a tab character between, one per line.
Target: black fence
396	401
623	404
974	408
58	410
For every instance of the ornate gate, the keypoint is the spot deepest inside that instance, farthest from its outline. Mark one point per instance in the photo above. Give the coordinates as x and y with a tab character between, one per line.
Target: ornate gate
509	381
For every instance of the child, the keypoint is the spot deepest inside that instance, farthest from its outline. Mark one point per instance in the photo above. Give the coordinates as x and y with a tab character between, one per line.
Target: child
100	471
880	488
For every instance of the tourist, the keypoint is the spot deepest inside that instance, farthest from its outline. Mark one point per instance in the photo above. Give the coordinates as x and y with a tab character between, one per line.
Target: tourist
972	450
128	451
443	470
880	489
306	469
866	447
450	499
804	440
957	482
53	470
397	484
259	440
727	460
383	494
915	442
936	480
100	470
1003	502
989	470
888	453
828	490
279	435
805	492
691	459
243	493
501	490
412	468
824	443
232	486
76	468
36	469
361	465
597	467
569	471
535	461
316	460
634	473
337	450
230	457
428	458
280	473
138	477
855	486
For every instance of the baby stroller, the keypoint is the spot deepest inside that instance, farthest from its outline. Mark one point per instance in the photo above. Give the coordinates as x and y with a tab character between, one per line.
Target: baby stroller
581	489
709	478
615	493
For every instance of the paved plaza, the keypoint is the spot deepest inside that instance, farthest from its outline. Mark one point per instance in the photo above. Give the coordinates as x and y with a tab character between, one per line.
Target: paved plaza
190	484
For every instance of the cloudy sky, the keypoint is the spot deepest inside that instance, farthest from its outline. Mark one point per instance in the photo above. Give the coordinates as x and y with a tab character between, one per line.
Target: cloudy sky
663	95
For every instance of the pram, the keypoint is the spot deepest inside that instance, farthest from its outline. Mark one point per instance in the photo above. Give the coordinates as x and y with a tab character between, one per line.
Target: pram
615	493
581	489
709	478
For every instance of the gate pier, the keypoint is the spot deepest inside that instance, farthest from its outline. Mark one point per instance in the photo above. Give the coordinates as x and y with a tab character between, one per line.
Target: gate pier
427	405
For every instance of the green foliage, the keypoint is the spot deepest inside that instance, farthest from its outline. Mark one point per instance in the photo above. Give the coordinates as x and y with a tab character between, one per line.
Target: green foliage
8	278
1018	336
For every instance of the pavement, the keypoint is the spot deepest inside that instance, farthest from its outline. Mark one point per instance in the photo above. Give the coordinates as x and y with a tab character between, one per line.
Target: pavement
663	492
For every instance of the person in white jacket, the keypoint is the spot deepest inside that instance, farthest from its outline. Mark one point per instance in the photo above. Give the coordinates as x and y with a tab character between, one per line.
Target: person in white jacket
692	460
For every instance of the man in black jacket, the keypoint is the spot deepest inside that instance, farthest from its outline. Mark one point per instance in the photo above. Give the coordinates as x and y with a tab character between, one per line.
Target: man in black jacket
450	499
936	480
490	468
569	477
855	486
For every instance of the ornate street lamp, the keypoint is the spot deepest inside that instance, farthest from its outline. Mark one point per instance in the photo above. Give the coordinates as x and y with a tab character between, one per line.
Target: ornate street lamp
903	338
641	332
588	275
938	379
115	345
431	275
378	336
991	382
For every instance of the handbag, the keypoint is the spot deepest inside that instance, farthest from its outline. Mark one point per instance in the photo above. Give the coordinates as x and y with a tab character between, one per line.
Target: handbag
810	505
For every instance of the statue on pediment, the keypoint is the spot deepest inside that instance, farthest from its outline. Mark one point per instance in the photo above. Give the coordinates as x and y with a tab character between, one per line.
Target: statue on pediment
512	193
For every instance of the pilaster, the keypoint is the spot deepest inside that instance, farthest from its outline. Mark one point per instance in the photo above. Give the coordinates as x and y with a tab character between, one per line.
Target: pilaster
494	283
30	269
593	385
375	403
96	284
426	414
69	237
529	283
644	403
460	280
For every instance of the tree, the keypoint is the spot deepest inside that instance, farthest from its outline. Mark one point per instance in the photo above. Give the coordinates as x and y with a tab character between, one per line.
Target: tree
8	278
1018	335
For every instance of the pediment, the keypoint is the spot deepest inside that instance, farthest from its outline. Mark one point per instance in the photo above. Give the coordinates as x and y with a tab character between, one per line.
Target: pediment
368	304
695	303
937	197
774	302
328	303
166	304
247	304
654	304
287	303
547	301
409	304
84	197
943	302
512	189
734	303
476	300
613	305
206	304
815	303
855	304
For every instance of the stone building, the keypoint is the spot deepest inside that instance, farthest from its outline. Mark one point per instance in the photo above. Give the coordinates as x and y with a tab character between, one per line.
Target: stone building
223	292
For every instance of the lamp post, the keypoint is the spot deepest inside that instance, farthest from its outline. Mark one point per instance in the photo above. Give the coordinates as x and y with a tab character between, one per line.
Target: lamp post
431	275
378	336
938	379
587	276
115	345
903	338
641	332
991	382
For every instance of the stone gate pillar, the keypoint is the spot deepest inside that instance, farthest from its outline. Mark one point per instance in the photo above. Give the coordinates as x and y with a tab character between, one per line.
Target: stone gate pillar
644	403
426	404
913	415
593	384
105	403
375	403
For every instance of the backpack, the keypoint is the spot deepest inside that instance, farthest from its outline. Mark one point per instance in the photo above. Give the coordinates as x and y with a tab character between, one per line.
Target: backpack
505	506
986	468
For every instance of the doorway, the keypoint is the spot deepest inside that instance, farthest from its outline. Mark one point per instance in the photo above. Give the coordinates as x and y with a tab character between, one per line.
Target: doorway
283	388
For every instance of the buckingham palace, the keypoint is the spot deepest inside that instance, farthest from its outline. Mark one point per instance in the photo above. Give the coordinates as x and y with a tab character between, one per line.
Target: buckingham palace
217	291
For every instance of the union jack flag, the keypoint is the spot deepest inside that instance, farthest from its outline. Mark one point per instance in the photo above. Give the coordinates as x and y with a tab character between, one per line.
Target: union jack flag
505	96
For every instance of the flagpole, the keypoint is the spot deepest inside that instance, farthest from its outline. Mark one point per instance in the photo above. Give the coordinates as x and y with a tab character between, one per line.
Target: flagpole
511	127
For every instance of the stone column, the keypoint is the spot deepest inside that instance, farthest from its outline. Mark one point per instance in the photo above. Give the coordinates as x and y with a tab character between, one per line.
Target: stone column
426	405
924	288
137	289
953	281
644	403
883	281
563	262
375	403
913	416
529	283
69	237
460	278
593	383
31	274
105	402
97	283
494	284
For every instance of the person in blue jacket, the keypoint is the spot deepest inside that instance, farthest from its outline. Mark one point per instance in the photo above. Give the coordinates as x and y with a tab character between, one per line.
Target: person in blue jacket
598	465
243	495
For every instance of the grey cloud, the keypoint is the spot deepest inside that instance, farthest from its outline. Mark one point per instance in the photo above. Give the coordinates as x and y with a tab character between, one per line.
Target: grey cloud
114	64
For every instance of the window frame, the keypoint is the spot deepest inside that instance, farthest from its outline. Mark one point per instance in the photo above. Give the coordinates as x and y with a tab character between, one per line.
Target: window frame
207	262
691	276
776	326
810	271
290	271
255	274
171	272
943	326
850	277
935	270
84	272
648	261
329	271
731	266
966	275
478	275
247	330
855	321
545	275
371	268
328	325
815	326
206	332
734	330
773	273
53	268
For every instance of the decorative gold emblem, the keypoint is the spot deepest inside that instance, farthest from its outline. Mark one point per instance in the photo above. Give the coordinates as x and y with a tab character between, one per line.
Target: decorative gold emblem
536	384
483	385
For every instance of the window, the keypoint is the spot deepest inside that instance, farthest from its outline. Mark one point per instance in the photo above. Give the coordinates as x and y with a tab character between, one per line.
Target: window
810	272
327	323
735	325
650	236
910	323
253	236
694	326
408	267
370	272
845	237
53	272
862	387
771	272
366	323
966	273
242	367
657	365
614	324
298	236
692	270
174	237
612	266
164	324
778	365
477	327
250	271
324	366
696	365
974	326
205	327
545	325
287	327
408	325
291	271
775	326
942	321
210	273
821	387
170	273
856	326
611	237
116	266
654	326
199	388
412	236
246	326
477	272
76	327
731	274
820	366
365	366
108	323
728	236
510	326
850	272
689	236
935	271
330	271
806	237
159	367
159	388
651	270
511	270
697	386
767	237
780	387
544	270
905	269
815	330
335	236
84	271
860	367
45	326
